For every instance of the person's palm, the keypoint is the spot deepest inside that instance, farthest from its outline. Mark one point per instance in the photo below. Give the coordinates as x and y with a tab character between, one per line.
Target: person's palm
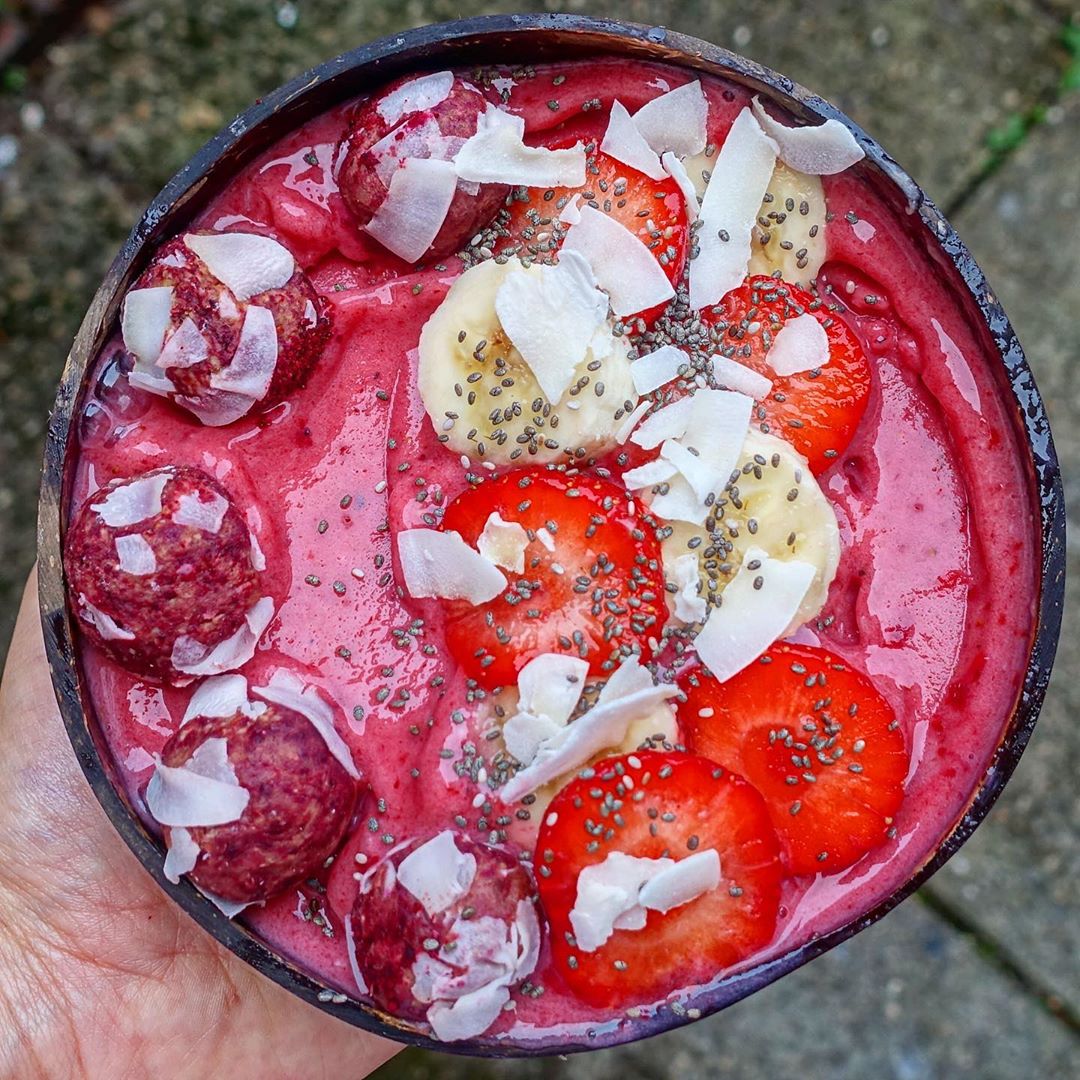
100	973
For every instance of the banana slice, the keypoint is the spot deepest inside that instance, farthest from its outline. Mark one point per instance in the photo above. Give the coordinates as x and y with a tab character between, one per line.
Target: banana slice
482	397
776	505
790	233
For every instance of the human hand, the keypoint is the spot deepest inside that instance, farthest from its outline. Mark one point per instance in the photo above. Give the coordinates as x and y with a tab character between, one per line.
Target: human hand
101	974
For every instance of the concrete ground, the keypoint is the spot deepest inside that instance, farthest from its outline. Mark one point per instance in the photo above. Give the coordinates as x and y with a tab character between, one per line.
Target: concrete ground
979	976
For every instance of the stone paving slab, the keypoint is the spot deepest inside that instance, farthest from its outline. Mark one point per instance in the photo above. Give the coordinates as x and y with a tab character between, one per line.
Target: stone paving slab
1018	879
906	1000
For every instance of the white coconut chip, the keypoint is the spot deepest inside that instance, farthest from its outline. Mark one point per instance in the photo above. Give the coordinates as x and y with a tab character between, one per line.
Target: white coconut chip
739	180
821	150
750	619
667	423
441	564
416	95
132	501
106	625
623	266
190	657
682	882
220	696
719	420
258	559
685	572
135	555
245	262
739	377
654	369
554	315
437	873
629	695
679	502
350	949
410	217
497	154
470	1015
229	908
625	143
203	791
504	543
524	733
801	345
251	369
676	121
677	171
549	688
146	317
630	421
650	474
217	408
412	141
185	347
151	380
208	516
570	214
288	690
181	856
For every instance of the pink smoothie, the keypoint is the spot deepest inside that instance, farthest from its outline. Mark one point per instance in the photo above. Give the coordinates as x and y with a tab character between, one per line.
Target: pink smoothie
934	597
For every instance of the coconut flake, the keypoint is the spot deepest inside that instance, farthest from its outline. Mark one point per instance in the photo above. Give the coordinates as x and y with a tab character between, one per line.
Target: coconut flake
410	217
604	725
524	733
676	121
739	377
218	407
221	696
679	503
185	347
719	420
677	171
437	873
503	543
653	370
229	908
553	315
251	369
191	657
135	555
623	266
258	559
739	180
630	421
416	95
750	619
685	572
497	154
132	501
801	345
441	564
683	881
551	684
350	948
245	262
181	856
208	516
151	380
625	143
667	423
470	1015
145	319
570	214
821	150
106	625
650	474
203	791
289	691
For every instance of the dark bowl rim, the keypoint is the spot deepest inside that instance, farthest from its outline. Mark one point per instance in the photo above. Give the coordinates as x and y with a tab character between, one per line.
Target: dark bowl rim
448	44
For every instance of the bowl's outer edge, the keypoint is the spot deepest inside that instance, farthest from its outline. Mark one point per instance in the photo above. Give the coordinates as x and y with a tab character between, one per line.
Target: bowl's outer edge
471	41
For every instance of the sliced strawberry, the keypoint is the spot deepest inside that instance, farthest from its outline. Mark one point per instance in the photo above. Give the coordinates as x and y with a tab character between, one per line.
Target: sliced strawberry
653	210
816	411
593	582
653	805
816	738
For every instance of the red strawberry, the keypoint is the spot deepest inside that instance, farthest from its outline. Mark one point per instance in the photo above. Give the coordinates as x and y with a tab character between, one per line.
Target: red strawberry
653	210
816	738
597	589
816	411
653	805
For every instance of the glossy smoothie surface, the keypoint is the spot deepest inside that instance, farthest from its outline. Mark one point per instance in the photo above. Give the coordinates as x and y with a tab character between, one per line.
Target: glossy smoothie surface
934	597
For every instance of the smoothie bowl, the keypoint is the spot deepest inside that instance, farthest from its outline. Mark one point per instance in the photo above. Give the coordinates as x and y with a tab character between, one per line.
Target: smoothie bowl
545	530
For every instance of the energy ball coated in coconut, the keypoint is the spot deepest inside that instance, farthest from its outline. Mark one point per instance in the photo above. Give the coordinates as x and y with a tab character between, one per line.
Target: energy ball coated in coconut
409	948
426	117
300	802
222	322
159	569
